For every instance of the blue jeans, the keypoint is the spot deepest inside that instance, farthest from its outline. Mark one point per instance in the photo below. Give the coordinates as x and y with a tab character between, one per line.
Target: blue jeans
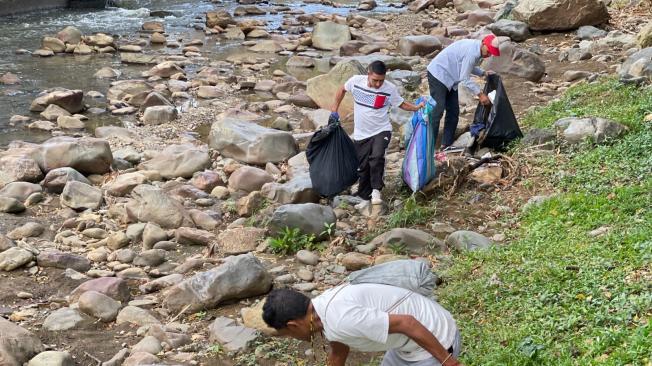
446	100
392	359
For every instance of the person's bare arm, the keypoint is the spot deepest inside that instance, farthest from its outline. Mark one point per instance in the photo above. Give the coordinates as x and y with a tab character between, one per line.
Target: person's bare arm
412	328
338	354
339	95
411	107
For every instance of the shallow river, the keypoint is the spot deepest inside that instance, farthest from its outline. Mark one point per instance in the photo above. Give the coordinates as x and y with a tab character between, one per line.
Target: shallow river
76	72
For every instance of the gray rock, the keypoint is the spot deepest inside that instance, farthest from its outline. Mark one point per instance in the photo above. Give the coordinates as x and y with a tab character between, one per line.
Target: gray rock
638	65
27	230
307	257
66	319
123	184
17	345
468	240
233	337
148	344
137	316
151	204
419	45
11	205
517	31
141	358
161	283
117	240
52	358
574	75
115	288
596	129
539	137
178	161
305	287
297	190
70	100
408	79
81	196
6	243
19	167
555	15
15	257
589	33
330	36
57	259
20	190
160	114
310	218
153	234
98	305
415	241
56	179
118	358
122	255
150	257
240	240
517	61
251	143
239	277
321	89
86	155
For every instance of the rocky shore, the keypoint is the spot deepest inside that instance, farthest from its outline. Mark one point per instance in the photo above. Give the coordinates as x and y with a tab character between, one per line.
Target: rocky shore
152	242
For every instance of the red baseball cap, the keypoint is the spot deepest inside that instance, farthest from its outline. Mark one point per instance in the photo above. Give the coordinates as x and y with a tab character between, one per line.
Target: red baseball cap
492	44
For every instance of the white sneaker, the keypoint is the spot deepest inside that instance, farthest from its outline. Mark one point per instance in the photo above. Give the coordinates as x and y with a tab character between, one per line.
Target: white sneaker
376	199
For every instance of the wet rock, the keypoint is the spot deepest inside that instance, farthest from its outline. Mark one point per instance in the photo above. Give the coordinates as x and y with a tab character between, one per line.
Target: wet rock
219	18
53	112
190	236
321	89
43	53
517	31
589	33
99	40
366	5
150	257
54	44
267	46
19	167
258	33
554	15
66	319
98	305
329	35
124	184
157	38
234	33
165	69
57	259
414	241
638	65
575	130
310	218
115	288
239	277
9	79
17	345
141	358
70	34
240	240
467	240
28	230
233	337
137	316
297	190
418	45
158	115
307	257
86	155
355	261
20	190
82	49
249	179
52	358
517	61
70	123
81	196
11	205
251	143
70	100
15	257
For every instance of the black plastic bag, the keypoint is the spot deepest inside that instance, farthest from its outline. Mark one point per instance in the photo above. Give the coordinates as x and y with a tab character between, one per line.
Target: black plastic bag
495	126
333	160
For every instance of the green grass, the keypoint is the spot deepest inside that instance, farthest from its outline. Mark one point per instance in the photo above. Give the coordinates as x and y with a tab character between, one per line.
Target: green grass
555	295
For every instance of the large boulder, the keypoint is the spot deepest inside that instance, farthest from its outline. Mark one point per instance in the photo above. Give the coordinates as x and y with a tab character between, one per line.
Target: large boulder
87	155
638	65
239	277
296	190
310	218
14	168
251	143
249	179
413	240
517	61
517	31
70	100
81	196
178	161
330	36
559	15
17	345
56	179
575	130
322	88
151	204
419	45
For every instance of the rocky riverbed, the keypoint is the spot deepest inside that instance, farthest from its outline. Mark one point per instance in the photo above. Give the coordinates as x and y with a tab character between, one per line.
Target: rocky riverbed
137	210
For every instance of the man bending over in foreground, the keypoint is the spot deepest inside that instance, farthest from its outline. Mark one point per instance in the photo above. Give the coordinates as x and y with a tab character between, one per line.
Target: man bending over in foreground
413	329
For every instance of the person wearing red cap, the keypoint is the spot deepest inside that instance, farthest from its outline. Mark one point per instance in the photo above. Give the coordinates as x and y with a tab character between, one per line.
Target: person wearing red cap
452	66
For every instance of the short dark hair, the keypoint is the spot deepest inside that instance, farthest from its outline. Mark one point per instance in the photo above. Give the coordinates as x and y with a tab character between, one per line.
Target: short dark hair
283	305
377	67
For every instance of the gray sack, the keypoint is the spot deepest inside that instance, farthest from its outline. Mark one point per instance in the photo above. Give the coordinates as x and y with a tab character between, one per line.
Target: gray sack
408	274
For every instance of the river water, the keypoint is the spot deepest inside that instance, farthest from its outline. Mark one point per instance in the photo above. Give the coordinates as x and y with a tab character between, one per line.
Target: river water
76	72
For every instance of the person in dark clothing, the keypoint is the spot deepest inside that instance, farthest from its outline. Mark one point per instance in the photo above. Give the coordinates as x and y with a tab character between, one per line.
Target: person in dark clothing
372	97
452	66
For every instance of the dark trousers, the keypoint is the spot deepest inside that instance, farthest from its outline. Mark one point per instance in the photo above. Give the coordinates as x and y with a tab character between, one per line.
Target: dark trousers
446	100
371	156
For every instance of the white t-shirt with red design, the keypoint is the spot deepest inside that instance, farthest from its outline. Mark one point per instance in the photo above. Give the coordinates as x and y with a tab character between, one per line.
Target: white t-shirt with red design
371	106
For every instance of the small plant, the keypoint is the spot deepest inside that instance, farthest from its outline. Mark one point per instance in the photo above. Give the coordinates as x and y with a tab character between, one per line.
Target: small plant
397	248
291	241
216	350
411	213
200	315
329	229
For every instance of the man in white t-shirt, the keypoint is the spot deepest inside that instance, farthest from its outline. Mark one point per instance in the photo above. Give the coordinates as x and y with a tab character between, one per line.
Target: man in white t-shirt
412	329
372	130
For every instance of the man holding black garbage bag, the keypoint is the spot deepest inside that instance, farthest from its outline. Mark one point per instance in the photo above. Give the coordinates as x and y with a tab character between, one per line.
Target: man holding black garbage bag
372	131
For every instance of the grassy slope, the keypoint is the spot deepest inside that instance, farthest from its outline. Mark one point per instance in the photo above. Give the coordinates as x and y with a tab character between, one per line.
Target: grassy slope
555	295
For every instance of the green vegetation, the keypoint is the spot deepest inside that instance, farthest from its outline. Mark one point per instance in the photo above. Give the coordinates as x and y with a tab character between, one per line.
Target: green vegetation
290	241
215	350
559	294
411	213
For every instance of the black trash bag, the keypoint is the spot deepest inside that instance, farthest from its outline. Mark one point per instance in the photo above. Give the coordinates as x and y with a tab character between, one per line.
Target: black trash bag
495	126
333	160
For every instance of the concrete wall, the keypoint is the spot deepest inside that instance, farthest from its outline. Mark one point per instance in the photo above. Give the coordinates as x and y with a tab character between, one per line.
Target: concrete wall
8	7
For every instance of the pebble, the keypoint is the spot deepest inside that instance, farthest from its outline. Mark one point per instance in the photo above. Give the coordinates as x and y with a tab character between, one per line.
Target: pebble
24	295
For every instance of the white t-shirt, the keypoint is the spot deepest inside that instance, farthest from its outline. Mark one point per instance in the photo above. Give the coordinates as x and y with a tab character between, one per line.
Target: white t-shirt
371	106
357	317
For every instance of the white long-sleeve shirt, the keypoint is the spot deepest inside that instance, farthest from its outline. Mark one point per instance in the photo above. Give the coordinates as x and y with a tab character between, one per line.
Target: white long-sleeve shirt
455	64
